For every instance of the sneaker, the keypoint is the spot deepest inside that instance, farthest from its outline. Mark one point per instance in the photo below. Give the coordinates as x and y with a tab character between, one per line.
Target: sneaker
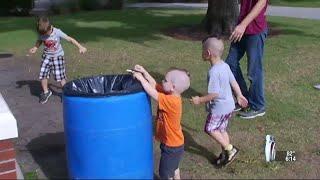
231	155
250	113
317	86
44	97
237	108
220	161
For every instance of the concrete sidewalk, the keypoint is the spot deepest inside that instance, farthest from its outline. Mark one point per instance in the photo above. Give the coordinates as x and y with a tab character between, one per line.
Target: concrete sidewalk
295	12
40	146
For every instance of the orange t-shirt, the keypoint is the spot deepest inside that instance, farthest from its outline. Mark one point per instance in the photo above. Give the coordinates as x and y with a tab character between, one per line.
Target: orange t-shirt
169	130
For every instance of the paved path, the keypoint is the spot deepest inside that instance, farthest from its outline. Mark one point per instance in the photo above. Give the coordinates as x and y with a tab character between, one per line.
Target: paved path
40	145
296	12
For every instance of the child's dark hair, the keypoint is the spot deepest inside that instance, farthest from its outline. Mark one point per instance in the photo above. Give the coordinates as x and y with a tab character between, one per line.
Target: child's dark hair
43	25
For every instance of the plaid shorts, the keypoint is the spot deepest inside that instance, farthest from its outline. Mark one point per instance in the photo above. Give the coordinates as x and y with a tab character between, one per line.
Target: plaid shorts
53	64
217	122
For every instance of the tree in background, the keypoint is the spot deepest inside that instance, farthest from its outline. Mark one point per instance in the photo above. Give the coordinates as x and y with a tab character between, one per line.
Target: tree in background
101	4
221	17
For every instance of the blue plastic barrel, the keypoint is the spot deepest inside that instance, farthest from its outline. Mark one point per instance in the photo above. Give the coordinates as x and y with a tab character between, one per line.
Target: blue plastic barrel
108	132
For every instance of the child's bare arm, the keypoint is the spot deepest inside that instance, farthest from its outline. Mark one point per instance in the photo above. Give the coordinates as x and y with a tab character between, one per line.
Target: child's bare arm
38	43
204	99
146	85
236	88
242	101
146	75
35	47
76	43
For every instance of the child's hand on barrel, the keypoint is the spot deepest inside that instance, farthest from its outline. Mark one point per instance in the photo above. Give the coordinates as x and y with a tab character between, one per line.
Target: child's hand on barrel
139	68
138	75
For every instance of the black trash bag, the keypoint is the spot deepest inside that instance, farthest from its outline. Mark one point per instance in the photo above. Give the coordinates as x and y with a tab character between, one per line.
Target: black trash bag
103	85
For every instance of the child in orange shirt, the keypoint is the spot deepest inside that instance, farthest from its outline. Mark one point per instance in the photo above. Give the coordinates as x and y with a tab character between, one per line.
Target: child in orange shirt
169	130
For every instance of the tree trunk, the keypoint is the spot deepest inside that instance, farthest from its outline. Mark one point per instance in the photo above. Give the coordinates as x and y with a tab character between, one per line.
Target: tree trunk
221	17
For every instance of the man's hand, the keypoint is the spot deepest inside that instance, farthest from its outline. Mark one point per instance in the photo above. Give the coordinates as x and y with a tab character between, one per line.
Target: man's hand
237	33
33	50
195	100
82	50
242	101
139	68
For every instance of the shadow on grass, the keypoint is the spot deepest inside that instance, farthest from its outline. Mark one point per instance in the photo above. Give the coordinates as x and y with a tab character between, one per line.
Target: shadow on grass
193	147
276	28
36	89
190	93
157	76
49	153
128	25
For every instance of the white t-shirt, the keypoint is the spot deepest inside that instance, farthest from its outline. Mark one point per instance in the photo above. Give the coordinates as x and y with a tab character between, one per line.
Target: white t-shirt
220	78
51	43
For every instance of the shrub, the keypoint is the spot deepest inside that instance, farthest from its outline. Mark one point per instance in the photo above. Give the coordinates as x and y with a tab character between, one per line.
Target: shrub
65	6
116	4
15	7
94	4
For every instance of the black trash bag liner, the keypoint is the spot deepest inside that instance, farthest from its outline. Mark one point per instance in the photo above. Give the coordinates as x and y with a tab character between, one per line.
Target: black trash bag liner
103	85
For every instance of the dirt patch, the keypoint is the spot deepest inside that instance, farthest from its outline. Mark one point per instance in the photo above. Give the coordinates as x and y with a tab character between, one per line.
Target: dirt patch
189	33
197	32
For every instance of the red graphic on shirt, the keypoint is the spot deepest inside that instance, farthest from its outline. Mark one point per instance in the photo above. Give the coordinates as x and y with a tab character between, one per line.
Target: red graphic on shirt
50	45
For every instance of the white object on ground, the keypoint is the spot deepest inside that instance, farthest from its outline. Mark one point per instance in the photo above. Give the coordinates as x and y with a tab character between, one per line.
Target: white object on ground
270	148
8	124
317	86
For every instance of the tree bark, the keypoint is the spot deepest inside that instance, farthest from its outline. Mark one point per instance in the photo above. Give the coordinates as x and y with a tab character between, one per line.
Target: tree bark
221	17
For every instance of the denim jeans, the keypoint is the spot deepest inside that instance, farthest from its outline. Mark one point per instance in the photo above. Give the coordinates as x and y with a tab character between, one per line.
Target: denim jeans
253	46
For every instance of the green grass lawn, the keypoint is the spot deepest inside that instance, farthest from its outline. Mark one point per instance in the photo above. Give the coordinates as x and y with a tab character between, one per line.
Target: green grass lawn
31	175
116	40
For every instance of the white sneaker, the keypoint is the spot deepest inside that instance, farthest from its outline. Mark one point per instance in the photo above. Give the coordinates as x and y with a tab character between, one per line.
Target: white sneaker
317	86
231	155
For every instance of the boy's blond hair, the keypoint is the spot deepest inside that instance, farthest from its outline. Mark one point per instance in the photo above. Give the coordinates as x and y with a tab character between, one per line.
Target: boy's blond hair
180	78
43	25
